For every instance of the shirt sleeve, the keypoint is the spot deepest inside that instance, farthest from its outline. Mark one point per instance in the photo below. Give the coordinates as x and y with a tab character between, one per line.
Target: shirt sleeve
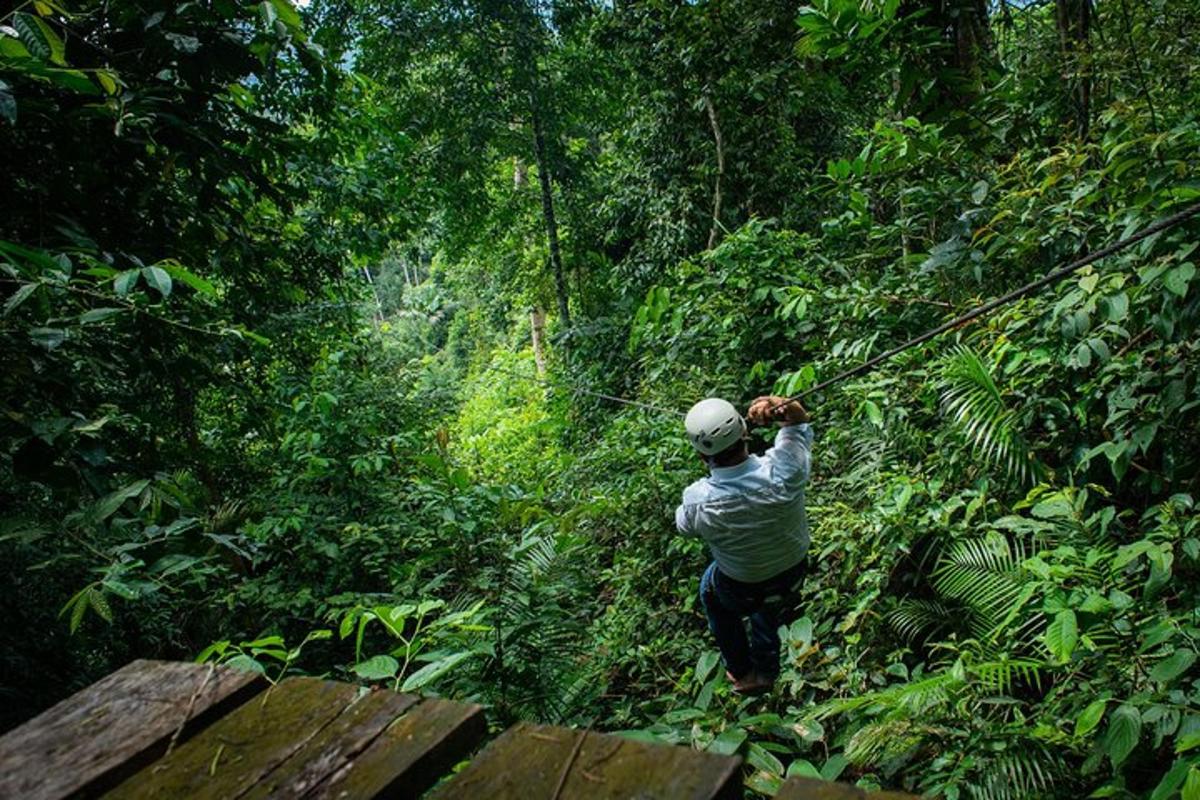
791	457
683	521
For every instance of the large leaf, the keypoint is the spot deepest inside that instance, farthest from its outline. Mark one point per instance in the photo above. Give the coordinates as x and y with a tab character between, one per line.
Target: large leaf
1062	634
8	104
19	296
1173	666
157	278
377	668
1090	717
431	672
727	742
110	503
1124	730
704	666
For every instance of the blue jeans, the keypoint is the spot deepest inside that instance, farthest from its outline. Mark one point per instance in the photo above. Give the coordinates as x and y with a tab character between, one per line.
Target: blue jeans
727	601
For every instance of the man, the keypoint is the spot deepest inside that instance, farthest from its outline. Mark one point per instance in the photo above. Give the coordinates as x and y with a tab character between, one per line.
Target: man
750	512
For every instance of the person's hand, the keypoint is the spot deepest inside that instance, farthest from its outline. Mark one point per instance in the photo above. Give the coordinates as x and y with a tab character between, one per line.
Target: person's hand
773	408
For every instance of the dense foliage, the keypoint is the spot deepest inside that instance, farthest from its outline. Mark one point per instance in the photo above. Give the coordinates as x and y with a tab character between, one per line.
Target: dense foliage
308	312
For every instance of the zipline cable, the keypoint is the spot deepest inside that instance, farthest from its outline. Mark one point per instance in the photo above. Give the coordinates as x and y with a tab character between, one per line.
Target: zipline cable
975	313
992	305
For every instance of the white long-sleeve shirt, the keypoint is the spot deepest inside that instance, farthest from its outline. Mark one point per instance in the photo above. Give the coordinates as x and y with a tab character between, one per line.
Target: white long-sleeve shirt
752	515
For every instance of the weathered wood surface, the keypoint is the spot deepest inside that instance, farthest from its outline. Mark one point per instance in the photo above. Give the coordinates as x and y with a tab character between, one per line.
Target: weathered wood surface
412	754
540	762
102	734
313	738
811	789
241	749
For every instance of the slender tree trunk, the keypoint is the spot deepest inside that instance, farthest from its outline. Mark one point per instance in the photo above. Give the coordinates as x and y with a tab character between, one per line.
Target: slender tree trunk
378	315
537	327
1074	20
546	181
715	228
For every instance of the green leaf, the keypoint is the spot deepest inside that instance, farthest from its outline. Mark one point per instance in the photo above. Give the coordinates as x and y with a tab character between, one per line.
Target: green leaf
58	50
832	769
705	665
99	314
124	282
431	672
108	506
246	664
1191	786
760	758
99	604
188	278
8	104
108	81
803	769
19	296
979	192
1124	730
1090	717
1172	780
377	668
157	278
49	338
1062	635
728	742
287	13
1189	742
1173	666
216	648
1177	279
31	35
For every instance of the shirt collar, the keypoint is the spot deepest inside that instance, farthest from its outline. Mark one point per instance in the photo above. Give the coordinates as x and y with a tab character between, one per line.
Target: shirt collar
736	471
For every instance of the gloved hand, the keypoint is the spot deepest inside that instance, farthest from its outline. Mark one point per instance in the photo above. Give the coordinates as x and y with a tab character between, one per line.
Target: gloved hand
773	408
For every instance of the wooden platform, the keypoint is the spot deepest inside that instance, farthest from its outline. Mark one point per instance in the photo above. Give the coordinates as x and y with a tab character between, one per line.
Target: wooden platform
164	730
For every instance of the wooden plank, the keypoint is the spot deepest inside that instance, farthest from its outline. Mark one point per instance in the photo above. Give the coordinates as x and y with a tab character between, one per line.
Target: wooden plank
544	762
335	748
241	749
812	789
411	755
106	732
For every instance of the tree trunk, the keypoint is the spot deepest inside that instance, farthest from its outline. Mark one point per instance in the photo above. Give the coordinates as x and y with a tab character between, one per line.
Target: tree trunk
714	229
546	181
537	326
1074	21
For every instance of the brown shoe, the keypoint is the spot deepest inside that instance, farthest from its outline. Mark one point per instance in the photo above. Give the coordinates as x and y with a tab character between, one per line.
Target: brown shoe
751	683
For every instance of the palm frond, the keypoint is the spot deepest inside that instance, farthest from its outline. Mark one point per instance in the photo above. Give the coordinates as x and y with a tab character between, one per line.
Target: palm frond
915	618
976	407
1029	770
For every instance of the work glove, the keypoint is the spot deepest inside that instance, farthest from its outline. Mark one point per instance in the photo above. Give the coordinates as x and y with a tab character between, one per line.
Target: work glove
773	408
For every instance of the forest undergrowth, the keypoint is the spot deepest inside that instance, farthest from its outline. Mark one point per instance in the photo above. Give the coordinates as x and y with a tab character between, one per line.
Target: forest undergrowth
306	312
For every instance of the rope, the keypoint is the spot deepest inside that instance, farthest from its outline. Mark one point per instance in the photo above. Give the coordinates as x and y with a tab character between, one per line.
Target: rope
975	313
992	305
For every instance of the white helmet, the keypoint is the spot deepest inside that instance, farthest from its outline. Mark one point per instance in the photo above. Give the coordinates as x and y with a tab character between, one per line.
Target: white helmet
713	425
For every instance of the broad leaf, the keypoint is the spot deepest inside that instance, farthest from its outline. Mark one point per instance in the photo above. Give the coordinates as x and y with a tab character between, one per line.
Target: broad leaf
1124	730
377	668
157	278
1173	666
1062	635
19	296
431	672
1090	717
